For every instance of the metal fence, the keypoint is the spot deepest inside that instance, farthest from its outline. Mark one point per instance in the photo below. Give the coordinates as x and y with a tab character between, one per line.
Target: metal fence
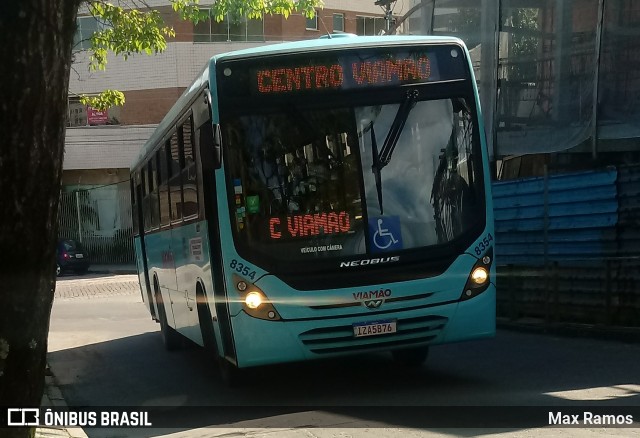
556	218
99	218
629	211
568	247
604	293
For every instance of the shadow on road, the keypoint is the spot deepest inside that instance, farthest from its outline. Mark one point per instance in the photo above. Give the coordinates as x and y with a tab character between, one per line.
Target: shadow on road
473	381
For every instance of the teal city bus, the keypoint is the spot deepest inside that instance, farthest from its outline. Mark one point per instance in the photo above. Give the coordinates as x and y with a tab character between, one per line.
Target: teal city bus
320	198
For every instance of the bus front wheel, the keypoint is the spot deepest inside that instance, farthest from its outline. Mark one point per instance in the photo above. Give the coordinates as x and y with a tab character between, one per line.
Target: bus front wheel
231	375
411	357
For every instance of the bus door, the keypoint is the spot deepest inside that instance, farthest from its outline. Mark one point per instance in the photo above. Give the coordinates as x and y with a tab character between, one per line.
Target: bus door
141	256
170	200
208	155
186	236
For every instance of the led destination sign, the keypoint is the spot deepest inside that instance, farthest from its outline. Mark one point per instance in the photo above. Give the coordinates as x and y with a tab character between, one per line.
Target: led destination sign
309	225
360	73
340	70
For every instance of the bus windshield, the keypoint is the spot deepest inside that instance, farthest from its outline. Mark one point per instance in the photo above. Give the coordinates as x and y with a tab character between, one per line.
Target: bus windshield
347	180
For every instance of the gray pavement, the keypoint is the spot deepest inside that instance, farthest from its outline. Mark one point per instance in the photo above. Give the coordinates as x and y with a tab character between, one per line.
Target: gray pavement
91	286
125	287
52	397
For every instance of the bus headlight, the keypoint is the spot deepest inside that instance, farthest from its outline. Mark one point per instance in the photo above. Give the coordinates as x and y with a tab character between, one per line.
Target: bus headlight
479	277
254	302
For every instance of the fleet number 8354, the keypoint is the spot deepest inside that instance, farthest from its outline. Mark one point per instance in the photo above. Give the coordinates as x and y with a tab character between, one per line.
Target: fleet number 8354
484	244
242	269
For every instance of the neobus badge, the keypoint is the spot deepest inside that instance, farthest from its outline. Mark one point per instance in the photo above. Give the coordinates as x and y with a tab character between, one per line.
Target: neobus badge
365	262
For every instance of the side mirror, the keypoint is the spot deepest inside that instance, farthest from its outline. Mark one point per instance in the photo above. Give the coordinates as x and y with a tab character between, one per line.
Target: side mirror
210	146
210	139
217	147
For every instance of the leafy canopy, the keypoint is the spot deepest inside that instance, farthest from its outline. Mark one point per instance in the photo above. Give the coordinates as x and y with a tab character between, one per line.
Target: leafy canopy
131	31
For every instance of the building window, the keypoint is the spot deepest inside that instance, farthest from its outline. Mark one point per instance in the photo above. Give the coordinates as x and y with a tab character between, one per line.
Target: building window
371	25
241	29
77	113
86	26
312	23
338	22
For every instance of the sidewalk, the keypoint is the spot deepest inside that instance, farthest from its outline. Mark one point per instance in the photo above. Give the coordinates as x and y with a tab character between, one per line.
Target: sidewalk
52	397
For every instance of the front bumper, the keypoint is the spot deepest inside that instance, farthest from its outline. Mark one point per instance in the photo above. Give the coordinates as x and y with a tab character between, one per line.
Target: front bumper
260	342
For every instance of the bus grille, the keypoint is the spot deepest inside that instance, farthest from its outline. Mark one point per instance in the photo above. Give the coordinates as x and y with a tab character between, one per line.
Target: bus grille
340	339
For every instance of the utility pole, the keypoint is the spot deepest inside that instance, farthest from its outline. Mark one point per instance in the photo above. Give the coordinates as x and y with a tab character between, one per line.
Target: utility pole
386	5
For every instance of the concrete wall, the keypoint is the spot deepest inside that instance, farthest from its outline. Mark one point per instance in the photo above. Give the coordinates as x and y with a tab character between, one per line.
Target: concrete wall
100	147
88	178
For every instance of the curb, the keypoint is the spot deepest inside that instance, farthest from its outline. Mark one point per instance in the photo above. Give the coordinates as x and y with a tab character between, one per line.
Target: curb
120	272
53	397
113	270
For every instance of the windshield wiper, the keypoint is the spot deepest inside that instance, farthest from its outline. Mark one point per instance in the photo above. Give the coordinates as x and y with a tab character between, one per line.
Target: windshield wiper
380	160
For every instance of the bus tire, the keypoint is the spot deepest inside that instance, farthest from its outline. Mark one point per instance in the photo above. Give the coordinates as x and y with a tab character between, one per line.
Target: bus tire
231	375
170	337
411	357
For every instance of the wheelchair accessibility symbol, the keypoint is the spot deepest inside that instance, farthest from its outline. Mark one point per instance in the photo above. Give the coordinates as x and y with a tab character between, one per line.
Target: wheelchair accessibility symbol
384	233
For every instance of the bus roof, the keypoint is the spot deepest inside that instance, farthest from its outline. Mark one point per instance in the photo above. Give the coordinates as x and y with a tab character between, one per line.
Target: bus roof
315	45
326	43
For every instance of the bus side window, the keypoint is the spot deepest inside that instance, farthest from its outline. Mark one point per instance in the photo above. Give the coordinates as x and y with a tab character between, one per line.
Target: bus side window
153	193
175	179
134	204
163	190
145	200
189	173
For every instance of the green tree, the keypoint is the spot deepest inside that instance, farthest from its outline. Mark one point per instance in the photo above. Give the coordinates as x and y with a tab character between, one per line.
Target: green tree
36	47
525	38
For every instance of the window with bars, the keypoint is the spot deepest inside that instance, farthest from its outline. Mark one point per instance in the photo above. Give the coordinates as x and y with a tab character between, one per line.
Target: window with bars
229	29
86	26
371	25
312	23
338	22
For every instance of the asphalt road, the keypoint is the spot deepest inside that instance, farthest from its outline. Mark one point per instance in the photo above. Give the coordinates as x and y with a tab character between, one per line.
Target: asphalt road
106	351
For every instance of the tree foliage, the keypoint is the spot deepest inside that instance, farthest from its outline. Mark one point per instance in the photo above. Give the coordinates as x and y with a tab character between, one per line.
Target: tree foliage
38	38
524	43
126	32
